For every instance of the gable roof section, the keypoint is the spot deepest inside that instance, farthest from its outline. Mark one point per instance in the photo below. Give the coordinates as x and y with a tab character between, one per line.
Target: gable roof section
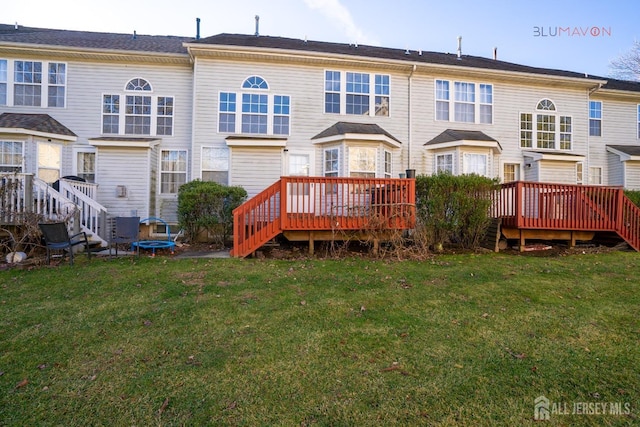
349	130
468	138
35	124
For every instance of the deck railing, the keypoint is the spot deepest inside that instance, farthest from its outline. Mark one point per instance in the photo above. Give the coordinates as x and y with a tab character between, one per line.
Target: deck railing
535	205
323	204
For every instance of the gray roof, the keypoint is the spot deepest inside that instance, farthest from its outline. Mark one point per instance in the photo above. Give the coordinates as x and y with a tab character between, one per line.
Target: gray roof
34	122
342	128
242	40
632	150
451	135
92	40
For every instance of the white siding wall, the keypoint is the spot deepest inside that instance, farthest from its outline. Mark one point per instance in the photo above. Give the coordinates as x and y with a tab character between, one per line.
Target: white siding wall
255	168
615	170
632	170
557	172
109	174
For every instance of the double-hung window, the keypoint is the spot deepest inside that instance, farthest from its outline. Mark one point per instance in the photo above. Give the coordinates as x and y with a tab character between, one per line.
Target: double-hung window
469	103
215	164
595	118
387	164
27	89
546	129
331	162
173	170
33	83
3	82
11	156
444	163
355	93
137	111
259	112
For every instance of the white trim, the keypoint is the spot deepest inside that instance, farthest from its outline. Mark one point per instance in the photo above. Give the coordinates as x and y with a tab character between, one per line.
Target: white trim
452	101
600	119
125	143
494	145
343	92
555	156
256	141
444	154
359	137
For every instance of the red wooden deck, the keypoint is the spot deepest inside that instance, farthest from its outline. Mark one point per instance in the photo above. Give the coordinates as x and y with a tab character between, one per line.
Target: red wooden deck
528	206
321	204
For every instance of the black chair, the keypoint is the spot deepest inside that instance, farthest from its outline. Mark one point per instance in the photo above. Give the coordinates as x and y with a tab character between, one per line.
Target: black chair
57	238
126	229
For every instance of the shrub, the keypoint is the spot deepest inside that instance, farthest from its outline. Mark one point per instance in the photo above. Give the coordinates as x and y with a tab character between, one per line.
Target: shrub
453	208
208	207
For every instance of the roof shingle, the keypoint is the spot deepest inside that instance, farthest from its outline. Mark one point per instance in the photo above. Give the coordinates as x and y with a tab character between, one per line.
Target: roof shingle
34	122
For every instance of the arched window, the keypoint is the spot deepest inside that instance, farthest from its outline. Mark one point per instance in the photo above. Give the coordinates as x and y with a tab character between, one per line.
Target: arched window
255	82
546	129
138	84
546	105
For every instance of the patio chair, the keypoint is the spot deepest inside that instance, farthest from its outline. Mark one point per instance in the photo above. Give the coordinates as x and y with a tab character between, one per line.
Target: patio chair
57	238
126	229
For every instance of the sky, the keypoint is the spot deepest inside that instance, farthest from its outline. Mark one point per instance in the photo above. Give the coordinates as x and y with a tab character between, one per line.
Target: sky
573	35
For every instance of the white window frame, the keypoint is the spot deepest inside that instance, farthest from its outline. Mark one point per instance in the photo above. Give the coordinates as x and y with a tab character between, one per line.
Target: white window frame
4	74
76	163
48	79
163	172
466	163
516	172
481	94
370	159
595	175
579	173
271	114
137	87
560	132
46	162
330	160
5	154
438	169
388	164
593	119
217	162
378	92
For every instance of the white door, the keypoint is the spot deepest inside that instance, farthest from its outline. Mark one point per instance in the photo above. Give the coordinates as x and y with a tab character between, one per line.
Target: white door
300	195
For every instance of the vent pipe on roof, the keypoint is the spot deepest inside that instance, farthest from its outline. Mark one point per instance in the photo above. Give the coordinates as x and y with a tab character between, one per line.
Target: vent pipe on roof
16	27
134	34
459	47
495	53
257	25
197	28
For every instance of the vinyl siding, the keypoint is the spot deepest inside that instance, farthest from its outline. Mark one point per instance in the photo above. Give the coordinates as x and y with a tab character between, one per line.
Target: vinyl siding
632	172
110	174
615	170
255	168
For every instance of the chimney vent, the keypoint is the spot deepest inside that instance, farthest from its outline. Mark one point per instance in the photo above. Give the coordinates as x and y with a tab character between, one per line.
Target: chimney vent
495	53
459	47
135	36
197	28
257	26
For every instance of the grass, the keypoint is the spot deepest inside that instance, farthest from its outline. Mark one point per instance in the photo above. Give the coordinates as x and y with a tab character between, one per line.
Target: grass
465	340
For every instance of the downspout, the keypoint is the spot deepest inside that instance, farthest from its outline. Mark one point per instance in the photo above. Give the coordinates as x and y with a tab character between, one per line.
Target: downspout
409	122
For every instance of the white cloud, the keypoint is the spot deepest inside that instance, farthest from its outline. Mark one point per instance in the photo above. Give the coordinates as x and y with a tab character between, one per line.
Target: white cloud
340	16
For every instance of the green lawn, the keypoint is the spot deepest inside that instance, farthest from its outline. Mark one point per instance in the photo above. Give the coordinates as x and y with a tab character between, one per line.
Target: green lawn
466	340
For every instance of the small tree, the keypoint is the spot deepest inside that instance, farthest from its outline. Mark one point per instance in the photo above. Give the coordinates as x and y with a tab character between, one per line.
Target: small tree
627	65
208	207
